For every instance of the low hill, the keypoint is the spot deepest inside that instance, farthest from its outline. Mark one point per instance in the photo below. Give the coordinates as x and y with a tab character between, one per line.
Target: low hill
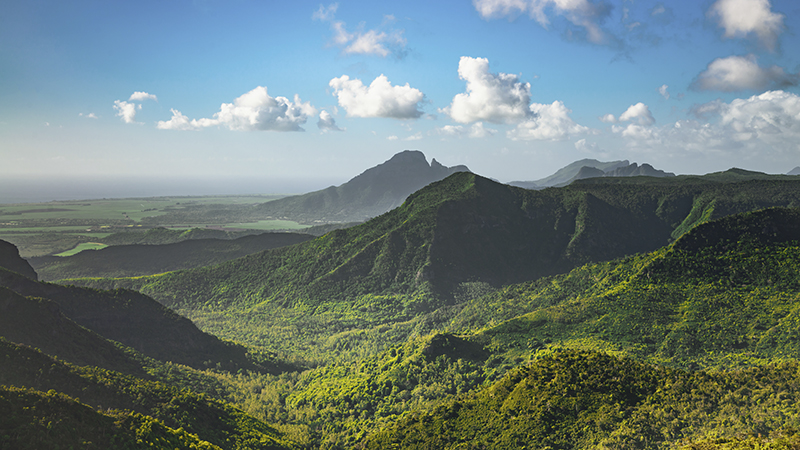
372	193
460	232
134	320
137	260
10	259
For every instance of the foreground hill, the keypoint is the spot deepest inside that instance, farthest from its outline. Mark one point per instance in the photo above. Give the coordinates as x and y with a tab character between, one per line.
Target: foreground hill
370	194
455	238
137	260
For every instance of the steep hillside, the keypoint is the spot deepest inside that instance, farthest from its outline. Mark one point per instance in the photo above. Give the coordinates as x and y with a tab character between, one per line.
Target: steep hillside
367	195
137	260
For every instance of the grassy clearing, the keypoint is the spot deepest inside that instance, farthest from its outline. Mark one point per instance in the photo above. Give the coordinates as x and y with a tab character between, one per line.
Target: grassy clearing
81	247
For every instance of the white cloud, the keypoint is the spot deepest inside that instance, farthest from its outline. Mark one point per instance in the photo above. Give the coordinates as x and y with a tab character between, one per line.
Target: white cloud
491	97
475	131
548	122
586	147
127	111
392	138
663	91
736	73
414	137
379	99
581	13
88	116
369	42
638	112
608	118
327	122
252	111
739	18
139	96
658	9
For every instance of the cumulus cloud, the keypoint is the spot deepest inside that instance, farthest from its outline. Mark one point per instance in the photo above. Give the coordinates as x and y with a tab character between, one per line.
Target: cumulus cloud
639	113
414	137
737	73
581	13
126	110
253	111
139	96
663	91
586	147
608	118
496	98
475	131
88	116
369	42
740	18
326	122
392	138
548	122
379	99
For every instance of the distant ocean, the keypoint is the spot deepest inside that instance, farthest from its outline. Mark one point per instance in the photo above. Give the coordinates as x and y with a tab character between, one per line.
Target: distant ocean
24	190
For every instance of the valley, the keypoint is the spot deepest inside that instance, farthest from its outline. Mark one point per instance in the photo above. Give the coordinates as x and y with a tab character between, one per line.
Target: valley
618	311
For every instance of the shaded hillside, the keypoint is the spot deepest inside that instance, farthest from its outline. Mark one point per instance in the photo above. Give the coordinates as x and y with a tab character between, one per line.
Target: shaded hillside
374	192
39	323
136	260
134	320
10	259
464	229
581	400
160	235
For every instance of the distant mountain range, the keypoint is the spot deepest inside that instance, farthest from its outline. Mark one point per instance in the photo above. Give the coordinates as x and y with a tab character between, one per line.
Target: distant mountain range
372	193
592	168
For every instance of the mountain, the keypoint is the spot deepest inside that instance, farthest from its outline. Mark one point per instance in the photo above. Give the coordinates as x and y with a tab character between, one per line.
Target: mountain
591	168
566	174
449	241
795	171
372	193
136	260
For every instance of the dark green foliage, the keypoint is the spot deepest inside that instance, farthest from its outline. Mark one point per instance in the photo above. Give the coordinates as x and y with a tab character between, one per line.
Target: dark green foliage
136	260
161	236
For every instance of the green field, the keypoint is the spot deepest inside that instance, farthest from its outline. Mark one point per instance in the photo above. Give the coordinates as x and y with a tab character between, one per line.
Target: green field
81	247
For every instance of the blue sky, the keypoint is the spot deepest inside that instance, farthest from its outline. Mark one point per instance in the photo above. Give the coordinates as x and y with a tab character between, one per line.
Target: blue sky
303	94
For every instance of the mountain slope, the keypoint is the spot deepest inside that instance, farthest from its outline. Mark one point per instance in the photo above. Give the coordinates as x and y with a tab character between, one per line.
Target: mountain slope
10	259
372	193
462	231
137	260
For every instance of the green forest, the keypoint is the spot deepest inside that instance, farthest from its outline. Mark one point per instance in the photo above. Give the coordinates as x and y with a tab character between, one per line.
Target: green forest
651	313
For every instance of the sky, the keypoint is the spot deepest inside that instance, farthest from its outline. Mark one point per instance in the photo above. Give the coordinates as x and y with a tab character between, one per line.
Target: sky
267	96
